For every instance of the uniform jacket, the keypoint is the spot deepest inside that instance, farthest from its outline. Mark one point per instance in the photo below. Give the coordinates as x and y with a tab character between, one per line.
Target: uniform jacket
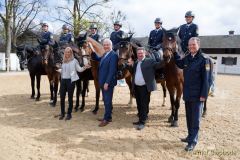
185	33
197	76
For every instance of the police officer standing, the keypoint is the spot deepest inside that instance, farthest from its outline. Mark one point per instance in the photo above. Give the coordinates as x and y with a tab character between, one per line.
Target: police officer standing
155	39
187	30
46	37
66	36
196	71
116	35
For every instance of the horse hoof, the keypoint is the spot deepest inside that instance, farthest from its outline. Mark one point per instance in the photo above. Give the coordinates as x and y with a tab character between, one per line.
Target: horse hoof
37	99
76	109
174	124
32	97
52	104
94	111
82	109
170	119
204	114
163	105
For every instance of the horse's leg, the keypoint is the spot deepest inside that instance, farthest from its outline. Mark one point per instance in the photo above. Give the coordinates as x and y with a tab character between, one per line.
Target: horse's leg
78	91
85	84
55	91
38	86
32	76
129	83
179	89
97	88
51	91
171	93
87	89
204	109
163	84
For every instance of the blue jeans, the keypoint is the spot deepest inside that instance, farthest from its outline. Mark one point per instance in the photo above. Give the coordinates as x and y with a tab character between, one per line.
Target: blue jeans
107	99
193	117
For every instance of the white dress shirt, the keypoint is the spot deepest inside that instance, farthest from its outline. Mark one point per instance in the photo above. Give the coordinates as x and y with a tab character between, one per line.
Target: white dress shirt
139	80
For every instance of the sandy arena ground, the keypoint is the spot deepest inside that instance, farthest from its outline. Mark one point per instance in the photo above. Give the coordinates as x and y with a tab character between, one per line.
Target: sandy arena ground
29	131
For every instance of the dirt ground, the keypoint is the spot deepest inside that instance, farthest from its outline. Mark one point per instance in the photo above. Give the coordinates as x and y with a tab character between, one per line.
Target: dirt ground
29	131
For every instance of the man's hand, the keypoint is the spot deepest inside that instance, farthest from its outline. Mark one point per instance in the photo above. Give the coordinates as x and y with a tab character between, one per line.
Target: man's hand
105	87
202	99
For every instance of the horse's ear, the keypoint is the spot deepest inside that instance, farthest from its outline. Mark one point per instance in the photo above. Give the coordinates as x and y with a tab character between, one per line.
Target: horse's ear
130	37
14	46
85	36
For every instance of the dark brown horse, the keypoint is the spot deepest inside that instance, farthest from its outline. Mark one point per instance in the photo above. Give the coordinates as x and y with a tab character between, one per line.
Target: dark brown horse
128	49
51	64
173	75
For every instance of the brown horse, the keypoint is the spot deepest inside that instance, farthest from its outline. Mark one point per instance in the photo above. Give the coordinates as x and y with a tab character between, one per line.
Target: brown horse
128	49
87	46
49	54
173	75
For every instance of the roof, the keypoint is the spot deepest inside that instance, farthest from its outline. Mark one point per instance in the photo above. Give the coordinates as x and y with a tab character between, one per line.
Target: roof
218	41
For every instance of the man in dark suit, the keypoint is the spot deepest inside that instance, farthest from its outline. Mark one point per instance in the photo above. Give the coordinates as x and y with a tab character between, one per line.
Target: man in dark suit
144	83
107	79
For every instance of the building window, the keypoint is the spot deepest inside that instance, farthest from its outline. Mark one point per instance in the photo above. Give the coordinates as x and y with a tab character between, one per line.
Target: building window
229	60
230	50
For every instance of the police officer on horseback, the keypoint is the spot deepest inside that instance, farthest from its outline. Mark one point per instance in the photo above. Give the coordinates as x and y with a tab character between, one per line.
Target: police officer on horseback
155	40
116	35
46	37
66	36
94	34
187	30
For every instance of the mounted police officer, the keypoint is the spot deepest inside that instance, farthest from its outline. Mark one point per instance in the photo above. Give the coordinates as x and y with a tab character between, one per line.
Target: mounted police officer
94	35
154	43
155	40
187	30
197	76
46	37
66	36
116	35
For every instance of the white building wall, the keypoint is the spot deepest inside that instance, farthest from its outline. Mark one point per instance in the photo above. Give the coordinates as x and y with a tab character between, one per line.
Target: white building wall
14	62
227	69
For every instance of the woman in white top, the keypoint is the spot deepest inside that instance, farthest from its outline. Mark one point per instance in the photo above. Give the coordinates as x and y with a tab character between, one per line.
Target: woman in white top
69	75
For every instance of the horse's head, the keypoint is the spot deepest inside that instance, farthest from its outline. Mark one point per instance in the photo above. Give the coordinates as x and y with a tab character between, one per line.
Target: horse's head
126	51
85	50
24	53
81	40
169	44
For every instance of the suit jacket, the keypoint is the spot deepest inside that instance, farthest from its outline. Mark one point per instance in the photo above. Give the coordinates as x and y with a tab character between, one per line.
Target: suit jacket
107	71
148	68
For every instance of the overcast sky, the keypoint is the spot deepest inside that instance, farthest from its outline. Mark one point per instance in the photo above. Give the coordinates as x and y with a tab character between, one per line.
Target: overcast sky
214	17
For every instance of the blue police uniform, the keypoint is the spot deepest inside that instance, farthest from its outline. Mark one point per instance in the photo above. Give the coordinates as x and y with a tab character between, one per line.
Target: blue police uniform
196	71
115	37
155	42
186	32
66	38
96	37
46	38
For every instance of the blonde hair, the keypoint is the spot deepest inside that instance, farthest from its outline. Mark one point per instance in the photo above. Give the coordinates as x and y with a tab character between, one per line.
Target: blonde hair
68	50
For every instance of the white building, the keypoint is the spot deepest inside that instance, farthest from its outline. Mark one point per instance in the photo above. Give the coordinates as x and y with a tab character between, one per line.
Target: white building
14	62
225	49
